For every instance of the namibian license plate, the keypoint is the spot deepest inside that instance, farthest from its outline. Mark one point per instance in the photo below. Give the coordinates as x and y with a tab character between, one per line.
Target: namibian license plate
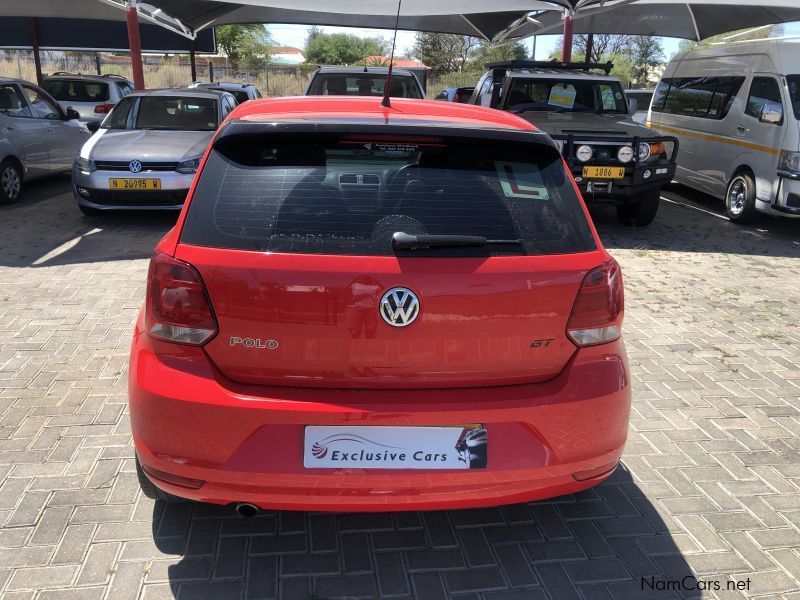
134	184
373	447
604	172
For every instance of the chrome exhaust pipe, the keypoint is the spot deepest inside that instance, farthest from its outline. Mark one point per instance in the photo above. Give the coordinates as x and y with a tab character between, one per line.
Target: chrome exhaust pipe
246	510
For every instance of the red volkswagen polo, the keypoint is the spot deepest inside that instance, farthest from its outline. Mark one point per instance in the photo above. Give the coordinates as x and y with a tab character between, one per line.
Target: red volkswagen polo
366	308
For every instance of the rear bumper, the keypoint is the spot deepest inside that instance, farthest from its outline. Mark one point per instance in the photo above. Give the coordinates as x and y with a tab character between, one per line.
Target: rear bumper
245	443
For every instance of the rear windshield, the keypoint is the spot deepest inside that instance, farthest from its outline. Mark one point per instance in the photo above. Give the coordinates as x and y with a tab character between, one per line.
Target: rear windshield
566	95
363	84
348	194
175	112
77	90
240	94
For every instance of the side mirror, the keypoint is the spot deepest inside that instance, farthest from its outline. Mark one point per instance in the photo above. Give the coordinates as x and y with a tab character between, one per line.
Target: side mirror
770	115
93	126
72	114
633	105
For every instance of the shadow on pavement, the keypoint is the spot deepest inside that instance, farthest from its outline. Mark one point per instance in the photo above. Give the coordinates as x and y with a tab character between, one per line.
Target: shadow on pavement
46	228
608	542
689	221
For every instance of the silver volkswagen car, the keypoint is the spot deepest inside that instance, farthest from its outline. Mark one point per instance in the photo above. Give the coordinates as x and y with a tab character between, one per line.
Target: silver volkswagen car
147	150
37	137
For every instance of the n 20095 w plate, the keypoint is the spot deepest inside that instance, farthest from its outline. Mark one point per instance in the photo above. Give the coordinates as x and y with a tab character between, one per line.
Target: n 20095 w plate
374	447
134	184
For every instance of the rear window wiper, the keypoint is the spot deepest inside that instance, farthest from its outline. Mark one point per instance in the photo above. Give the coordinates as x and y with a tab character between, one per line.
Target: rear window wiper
406	241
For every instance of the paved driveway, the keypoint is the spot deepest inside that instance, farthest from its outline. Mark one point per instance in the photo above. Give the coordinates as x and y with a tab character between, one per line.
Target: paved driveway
710	484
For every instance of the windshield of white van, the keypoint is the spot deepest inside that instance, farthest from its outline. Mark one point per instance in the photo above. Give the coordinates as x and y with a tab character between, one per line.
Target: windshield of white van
794	93
565	95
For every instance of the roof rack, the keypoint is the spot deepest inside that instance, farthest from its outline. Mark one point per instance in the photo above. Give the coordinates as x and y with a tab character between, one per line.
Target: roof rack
552	64
63	73
114	76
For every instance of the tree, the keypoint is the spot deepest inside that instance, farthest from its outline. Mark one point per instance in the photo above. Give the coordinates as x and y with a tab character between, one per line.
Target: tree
646	52
486	52
444	52
245	44
313	32
603	46
341	48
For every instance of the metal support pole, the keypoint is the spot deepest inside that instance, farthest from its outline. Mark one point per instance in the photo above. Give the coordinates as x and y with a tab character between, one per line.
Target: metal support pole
192	62
566	44
533	50
135	45
35	44
589	48
211	71
97	63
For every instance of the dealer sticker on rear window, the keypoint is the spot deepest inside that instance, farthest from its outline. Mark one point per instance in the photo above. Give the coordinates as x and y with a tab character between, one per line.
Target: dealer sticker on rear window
373	447
521	180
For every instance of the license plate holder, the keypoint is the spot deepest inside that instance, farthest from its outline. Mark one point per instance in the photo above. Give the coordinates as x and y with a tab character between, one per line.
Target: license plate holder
387	447
133	184
603	172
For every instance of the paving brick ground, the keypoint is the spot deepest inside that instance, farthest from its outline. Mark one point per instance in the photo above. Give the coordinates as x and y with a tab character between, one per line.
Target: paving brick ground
710	487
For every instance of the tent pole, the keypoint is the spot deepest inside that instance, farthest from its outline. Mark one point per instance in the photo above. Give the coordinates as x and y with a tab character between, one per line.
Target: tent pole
192	62
35	44
589	48
566	44
135	45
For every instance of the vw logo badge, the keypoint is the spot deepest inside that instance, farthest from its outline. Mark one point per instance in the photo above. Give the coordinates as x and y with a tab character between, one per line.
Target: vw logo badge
399	307
135	166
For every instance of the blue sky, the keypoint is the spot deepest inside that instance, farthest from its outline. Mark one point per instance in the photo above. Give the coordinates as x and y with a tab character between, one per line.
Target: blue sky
295	35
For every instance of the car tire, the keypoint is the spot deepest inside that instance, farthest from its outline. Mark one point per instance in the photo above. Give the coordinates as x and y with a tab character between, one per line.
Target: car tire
641	211
89	211
150	490
740	198
10	181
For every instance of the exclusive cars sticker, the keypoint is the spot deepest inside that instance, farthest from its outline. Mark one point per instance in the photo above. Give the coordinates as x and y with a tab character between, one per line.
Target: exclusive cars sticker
377	447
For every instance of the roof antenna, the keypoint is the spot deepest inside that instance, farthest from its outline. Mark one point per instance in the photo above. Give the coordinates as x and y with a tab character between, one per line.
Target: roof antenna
386	102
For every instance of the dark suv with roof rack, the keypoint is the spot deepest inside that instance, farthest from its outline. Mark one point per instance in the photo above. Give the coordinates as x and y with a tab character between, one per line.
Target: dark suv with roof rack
363	81
613	158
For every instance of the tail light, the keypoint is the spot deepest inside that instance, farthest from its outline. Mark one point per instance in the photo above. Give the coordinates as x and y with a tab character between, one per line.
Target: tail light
597	313
178	309
103	109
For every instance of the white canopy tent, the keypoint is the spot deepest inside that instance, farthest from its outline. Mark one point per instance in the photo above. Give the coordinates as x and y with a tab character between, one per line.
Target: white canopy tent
507	19
669	18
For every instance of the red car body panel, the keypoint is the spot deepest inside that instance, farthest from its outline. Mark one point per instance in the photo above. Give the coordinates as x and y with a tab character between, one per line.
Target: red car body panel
246	441
234	421
480	318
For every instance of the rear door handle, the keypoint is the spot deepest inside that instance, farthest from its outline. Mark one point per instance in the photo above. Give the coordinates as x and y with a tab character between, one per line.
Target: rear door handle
742	129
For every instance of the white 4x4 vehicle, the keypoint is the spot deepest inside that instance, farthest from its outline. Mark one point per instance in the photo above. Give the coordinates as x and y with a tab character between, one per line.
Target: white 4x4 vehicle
92	96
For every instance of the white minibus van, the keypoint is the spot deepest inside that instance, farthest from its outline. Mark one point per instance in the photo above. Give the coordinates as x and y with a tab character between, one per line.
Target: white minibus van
736	110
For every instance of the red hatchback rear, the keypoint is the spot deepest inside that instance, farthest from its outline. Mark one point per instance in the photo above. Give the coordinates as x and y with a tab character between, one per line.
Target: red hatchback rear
364	308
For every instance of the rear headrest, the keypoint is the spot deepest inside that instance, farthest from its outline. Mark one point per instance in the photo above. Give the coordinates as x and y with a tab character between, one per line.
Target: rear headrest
7	97
337	86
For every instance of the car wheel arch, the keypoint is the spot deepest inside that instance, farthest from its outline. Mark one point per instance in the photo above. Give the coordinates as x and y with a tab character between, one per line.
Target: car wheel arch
742	168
